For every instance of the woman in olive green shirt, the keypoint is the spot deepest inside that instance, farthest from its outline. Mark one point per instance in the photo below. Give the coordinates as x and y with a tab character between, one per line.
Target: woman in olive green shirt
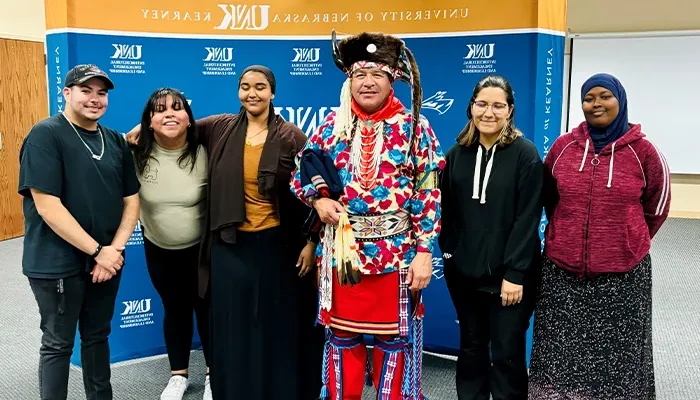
171	166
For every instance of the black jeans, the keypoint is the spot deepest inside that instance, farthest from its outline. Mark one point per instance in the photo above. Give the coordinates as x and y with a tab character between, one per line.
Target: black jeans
492	356
174	276
63	304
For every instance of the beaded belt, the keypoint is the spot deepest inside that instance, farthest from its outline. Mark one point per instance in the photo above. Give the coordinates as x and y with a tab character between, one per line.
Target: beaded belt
373	227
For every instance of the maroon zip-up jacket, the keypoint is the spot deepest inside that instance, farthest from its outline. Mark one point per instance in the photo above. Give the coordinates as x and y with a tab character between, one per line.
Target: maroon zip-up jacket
603	209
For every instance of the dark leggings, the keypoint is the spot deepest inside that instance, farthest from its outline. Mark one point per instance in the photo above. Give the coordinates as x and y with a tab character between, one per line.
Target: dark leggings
174	276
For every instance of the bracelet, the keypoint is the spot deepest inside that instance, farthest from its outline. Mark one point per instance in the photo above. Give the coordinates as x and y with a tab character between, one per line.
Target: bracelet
97	252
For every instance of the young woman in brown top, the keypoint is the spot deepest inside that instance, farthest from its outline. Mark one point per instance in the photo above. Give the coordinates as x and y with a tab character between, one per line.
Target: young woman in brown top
262	313
255	261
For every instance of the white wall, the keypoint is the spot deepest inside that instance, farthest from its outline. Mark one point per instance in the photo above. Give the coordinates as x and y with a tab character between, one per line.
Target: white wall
648	62
22	20
685	188
565	97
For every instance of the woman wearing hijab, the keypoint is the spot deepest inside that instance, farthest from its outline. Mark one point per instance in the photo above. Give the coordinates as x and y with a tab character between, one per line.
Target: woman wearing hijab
491	209
606	194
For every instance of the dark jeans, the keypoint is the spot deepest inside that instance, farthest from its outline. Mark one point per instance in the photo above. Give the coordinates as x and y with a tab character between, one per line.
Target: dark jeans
174	276
63	304
492	356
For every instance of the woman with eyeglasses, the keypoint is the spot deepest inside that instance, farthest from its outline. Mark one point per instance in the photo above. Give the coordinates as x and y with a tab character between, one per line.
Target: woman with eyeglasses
491	248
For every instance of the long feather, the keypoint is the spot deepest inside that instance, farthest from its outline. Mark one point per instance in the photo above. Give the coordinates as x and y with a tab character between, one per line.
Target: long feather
336	52
416	92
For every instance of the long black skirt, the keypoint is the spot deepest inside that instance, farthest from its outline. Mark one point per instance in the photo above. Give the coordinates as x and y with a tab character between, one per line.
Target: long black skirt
256	345
592	338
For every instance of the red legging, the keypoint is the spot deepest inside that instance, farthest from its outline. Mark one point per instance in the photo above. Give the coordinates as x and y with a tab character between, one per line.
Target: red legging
354	362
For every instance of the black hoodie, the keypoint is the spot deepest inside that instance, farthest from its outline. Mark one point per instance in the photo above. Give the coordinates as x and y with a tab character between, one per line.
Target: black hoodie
490	234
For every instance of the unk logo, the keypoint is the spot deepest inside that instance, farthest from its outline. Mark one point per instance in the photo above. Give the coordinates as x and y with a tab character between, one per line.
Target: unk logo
480	51
309	55
306	118
219	54
240	17
438	268
132	307
438	102
127	51
138	226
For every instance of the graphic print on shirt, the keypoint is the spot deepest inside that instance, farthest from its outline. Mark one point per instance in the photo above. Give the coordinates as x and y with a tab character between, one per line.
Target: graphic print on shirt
395	189
150	174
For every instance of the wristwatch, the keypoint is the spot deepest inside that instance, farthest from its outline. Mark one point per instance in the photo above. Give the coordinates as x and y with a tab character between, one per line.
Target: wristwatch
97	252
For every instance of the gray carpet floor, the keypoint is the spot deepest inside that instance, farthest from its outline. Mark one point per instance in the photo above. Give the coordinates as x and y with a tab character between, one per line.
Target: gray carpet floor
676	315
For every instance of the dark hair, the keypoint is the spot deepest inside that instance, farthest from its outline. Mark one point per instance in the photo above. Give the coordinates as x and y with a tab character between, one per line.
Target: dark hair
263	70
509	132
143	149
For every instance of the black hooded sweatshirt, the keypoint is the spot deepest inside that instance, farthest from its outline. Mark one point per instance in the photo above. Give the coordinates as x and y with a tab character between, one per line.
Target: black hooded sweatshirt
490	231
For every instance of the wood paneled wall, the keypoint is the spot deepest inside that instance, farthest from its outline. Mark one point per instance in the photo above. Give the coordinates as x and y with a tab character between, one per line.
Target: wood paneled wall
23	102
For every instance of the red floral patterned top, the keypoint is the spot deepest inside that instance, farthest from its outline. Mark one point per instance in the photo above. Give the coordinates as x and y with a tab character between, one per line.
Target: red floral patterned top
395	188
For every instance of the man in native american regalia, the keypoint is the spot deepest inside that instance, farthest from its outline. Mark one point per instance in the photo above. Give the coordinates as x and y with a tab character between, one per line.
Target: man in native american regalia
370	173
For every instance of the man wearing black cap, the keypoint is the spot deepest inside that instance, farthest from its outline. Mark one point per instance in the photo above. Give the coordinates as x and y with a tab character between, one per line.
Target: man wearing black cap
80	207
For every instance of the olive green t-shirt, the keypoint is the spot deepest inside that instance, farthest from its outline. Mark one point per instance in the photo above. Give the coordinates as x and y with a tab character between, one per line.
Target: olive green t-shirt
173	198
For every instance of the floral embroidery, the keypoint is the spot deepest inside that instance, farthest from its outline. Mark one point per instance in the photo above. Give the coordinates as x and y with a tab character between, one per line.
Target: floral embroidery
395	189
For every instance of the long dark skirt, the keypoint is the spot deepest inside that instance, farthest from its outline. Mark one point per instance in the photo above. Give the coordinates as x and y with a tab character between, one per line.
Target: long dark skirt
592	338
255	319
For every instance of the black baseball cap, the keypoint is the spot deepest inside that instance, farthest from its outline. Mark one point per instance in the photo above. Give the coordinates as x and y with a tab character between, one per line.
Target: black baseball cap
84	72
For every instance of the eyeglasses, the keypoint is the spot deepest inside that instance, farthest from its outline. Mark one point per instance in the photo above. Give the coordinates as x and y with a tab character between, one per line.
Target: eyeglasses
480	108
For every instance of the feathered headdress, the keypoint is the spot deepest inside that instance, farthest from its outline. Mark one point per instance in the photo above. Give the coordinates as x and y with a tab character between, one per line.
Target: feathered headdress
375	50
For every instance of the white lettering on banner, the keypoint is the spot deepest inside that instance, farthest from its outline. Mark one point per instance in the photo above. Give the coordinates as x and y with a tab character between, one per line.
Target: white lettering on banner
307	55
136	306
127	51
127	59
438	271
305	118
548	98
59	80
543	226
256	17
438	102
480	51
219	54
386	16
305	62
136	237
136	313
547	102
365	17
173	15
244	17
313	18
452	13
218	62
479	59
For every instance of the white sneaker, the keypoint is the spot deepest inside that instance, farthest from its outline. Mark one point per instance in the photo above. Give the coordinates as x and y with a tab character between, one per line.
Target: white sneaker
207	389
177	385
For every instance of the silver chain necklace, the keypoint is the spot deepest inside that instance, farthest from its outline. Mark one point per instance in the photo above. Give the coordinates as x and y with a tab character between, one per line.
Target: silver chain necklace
95	156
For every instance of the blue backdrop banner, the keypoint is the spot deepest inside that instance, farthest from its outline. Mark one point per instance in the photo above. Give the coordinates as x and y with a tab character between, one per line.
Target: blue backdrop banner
206	68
